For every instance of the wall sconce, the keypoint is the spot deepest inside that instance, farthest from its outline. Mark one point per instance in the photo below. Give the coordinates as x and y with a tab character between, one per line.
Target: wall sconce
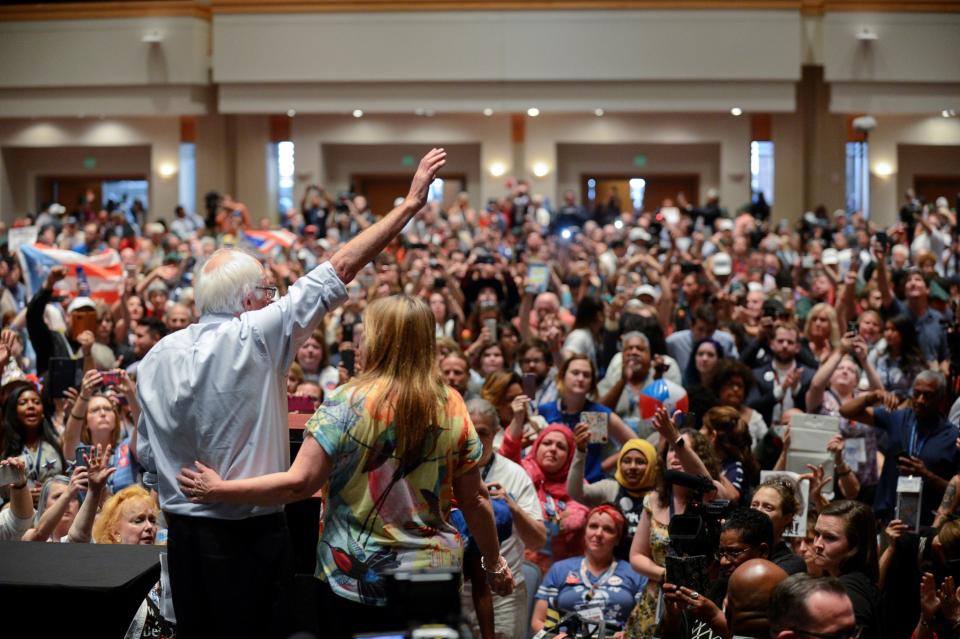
540	169
882	169
167	170
497	169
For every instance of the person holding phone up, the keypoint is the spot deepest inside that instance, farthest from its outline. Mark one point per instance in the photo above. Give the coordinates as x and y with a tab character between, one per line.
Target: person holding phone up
920	441
17	519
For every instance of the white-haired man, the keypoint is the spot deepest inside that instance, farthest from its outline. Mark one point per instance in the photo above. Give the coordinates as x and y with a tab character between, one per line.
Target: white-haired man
215	391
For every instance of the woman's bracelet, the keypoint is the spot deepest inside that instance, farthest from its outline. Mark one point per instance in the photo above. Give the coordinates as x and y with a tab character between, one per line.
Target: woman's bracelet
843	473
501	566
78	418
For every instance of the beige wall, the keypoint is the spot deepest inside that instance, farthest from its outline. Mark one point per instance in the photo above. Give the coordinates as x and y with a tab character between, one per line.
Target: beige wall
925	159
25	165
161	135
507	46
891	132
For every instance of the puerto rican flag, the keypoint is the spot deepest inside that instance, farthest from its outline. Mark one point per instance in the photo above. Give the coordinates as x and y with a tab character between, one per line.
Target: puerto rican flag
104	271
266	241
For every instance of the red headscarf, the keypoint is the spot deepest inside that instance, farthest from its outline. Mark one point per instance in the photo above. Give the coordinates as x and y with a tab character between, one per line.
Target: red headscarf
555	483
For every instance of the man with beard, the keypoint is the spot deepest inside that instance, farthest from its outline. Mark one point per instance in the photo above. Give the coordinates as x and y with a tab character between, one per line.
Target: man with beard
536	359
782	383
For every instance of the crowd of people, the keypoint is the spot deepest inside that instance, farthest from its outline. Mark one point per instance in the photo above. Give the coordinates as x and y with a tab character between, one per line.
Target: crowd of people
578	386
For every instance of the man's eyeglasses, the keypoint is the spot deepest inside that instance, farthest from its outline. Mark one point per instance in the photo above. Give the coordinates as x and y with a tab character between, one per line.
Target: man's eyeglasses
272	293
851	633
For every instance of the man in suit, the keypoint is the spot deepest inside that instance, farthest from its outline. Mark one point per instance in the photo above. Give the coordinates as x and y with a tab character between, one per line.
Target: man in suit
783	382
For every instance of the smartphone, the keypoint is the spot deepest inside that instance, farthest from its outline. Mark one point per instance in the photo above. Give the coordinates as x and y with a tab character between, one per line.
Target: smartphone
298	404
530	385
347	332
690	572
439	282
110	378
538	277
491	325
349	359
81	450
882	239
598	424
10	474
689	267
64	373
852	326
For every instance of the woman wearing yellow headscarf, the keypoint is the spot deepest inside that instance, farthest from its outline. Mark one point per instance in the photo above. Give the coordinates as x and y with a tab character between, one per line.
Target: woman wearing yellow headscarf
636	476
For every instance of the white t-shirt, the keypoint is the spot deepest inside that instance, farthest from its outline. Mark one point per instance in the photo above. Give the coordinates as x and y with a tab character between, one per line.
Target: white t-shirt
515	481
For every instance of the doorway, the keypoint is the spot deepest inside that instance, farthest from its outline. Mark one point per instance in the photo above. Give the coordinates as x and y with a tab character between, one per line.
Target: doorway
930	187
382	190
634	192
71	190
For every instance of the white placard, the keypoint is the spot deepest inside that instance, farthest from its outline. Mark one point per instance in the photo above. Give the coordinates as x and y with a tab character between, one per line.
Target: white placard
19	236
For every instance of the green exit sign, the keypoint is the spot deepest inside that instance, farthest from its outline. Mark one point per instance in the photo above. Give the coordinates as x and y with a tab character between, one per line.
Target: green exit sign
407	160
89	162
640	160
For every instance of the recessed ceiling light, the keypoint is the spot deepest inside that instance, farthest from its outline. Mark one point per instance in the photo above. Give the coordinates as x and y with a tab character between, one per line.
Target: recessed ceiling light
533	112
598	112
948	113
736	111
291	113
488	112
358	113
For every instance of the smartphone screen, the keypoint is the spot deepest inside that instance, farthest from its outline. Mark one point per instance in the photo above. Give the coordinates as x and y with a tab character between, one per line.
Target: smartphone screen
349	359
530	385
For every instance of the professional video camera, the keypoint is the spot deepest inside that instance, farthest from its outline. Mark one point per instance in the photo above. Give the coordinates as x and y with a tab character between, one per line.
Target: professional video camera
695	534
430	599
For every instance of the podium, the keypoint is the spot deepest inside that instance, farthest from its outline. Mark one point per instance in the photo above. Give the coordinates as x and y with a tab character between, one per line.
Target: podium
80	585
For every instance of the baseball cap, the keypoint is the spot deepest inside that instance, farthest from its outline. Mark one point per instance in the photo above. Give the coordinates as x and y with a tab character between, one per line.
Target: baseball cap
830	256
722	264
81	302
647	289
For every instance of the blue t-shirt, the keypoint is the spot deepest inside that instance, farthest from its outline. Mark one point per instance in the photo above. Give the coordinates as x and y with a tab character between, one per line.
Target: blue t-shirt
552	413
564	590
937	449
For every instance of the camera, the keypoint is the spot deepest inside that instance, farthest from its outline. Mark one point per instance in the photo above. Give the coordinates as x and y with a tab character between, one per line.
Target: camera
697	531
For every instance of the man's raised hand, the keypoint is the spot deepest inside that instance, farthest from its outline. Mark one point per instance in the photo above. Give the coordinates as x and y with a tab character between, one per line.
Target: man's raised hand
426	173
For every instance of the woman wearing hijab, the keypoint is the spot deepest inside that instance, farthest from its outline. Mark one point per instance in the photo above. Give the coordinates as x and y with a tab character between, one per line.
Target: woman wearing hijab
548	464
636	475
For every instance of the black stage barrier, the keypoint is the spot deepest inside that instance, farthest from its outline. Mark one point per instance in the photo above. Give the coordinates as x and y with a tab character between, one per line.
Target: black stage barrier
303	517
95	586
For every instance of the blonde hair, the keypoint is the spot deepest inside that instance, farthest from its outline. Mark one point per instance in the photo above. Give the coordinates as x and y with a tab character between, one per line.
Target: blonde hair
824	309
108	521
401	372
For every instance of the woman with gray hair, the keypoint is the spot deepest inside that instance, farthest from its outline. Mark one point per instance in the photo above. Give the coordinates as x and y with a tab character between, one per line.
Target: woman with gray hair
508	481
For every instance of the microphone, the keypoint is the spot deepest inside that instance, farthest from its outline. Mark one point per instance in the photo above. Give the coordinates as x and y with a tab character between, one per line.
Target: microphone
693	482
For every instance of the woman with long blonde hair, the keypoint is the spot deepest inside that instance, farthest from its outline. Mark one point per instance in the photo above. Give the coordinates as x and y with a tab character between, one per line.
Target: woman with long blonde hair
396	446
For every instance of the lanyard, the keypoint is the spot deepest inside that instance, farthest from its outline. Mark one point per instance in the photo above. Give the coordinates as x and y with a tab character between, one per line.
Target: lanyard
916	447
486	469
601	580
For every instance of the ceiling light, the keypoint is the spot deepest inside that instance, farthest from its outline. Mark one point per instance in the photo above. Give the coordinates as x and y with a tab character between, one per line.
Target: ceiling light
598	112
358	113
736	111
533	112
291	113
488	112
948	113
